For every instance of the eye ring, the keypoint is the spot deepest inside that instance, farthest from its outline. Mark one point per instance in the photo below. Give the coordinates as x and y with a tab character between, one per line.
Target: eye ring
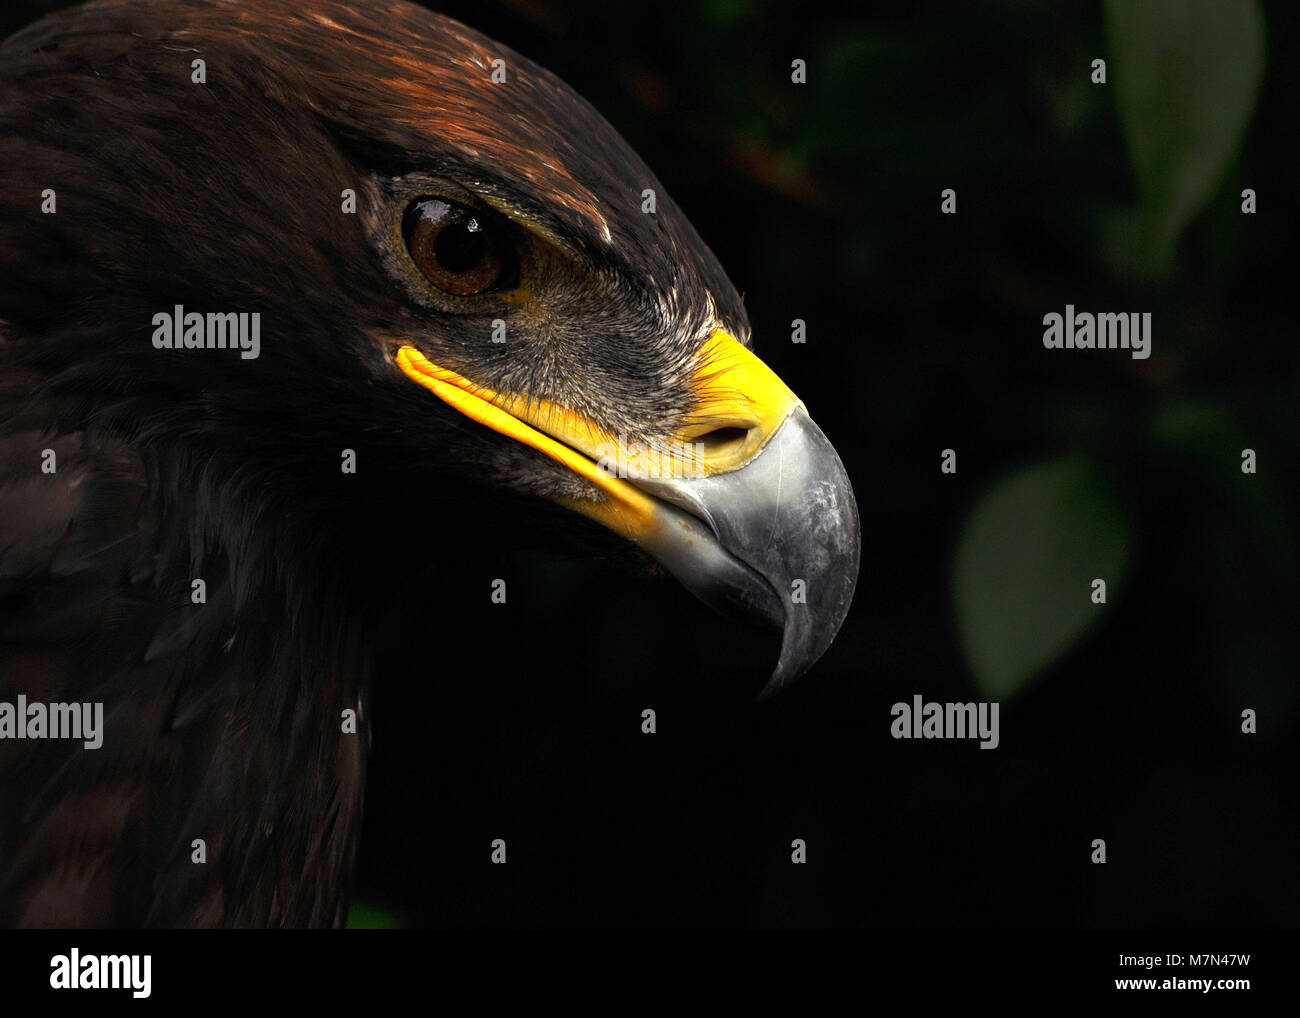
459	250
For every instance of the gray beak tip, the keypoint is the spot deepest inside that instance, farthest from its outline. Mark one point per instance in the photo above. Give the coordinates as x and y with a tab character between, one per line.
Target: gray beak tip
788	542
818	573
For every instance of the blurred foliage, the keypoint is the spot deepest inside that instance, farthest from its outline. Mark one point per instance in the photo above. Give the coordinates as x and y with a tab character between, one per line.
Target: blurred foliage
1186	75
1024	569
368	916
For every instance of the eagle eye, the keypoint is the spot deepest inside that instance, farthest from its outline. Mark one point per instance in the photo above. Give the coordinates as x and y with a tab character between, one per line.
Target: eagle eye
457	249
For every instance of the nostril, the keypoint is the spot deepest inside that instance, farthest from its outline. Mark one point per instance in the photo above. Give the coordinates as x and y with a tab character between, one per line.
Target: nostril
719	438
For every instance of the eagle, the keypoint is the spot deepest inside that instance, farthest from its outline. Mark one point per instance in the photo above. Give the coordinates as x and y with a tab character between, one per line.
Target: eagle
280	284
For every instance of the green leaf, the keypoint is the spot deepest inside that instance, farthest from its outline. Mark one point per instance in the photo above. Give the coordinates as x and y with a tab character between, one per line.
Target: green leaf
1024	566
1185	74
365	916
1208	440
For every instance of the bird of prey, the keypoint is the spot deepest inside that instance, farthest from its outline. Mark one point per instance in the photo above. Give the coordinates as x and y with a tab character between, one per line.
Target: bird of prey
275	280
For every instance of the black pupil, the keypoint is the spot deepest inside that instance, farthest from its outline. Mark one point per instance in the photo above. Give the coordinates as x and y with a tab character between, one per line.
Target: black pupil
461	246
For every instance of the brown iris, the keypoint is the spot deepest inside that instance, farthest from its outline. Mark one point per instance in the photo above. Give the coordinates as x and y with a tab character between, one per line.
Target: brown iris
459	250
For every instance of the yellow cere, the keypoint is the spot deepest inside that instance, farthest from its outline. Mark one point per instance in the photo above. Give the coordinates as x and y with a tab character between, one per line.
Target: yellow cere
740	404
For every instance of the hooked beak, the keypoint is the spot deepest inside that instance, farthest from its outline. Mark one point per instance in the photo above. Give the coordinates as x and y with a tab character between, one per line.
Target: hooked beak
748	505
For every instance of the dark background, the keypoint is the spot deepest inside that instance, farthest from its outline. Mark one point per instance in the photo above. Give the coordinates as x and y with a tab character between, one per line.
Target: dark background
1119	721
